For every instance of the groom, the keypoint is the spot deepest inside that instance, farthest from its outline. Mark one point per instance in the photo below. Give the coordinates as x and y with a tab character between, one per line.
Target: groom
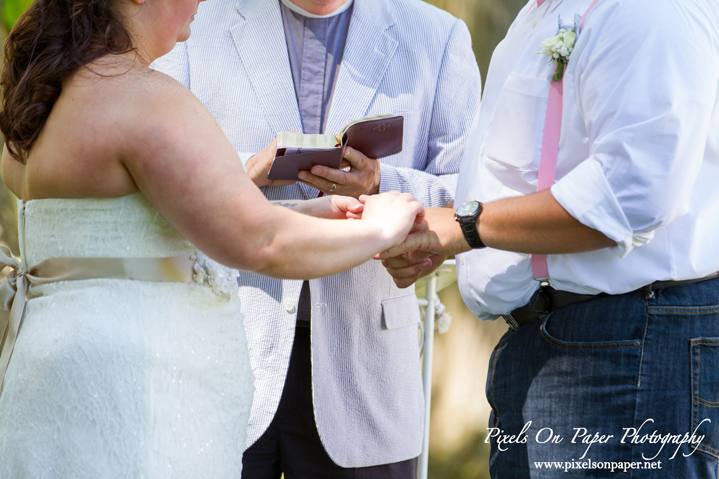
336	360
614	336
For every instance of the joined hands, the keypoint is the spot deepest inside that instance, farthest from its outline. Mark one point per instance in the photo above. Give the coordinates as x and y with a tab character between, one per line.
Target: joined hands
425	248
415	250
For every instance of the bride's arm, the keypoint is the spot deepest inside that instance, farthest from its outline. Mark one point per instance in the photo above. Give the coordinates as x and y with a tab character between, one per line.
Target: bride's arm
180	159
333	207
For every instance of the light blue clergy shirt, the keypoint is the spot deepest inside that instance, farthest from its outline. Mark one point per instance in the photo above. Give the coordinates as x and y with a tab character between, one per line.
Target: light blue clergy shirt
315	46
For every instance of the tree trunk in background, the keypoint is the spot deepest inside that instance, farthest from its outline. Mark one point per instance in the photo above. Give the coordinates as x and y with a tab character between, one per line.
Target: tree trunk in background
487	20
8	219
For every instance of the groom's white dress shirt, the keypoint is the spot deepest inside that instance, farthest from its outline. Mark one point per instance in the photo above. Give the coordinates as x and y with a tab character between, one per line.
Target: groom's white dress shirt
400	56
639	150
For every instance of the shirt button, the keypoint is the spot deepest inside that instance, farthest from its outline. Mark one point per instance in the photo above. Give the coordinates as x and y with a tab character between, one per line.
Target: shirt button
289	305
534	24
461	260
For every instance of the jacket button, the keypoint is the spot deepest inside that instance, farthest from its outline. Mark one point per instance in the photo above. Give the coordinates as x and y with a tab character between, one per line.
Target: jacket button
289	305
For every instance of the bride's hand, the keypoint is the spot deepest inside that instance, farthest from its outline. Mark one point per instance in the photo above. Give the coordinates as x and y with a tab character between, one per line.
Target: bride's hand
336	207
396	213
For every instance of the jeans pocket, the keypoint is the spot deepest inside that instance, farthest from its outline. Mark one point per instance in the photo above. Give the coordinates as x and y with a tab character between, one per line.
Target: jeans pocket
574	335
705	393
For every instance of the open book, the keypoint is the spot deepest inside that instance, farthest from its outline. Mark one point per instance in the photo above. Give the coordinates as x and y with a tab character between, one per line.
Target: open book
375	136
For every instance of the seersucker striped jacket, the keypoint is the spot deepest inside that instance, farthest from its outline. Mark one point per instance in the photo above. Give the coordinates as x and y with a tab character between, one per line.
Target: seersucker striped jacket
401	56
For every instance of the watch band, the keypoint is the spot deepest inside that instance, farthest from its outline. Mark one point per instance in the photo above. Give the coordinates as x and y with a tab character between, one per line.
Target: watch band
468	223
469	228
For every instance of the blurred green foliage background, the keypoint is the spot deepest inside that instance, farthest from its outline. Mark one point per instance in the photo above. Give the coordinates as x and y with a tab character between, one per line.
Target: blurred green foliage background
459	408
11	11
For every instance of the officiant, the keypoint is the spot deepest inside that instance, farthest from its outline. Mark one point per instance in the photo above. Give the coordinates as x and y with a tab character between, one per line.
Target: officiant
338	388
600	153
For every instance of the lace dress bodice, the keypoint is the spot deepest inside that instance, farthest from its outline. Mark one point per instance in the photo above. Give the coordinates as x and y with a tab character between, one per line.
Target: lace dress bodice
125	227
114	378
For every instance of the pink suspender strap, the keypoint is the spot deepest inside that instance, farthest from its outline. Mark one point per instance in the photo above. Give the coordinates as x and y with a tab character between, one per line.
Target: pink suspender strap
548	160
584	18
550	148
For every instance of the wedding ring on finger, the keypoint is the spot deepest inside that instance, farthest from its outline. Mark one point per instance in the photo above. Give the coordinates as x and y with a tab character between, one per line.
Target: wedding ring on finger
334	187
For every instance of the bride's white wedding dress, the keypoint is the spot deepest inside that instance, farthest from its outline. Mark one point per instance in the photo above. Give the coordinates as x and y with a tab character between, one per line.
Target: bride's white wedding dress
123	378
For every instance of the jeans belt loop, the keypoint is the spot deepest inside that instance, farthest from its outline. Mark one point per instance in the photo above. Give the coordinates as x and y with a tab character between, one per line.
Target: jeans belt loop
509	319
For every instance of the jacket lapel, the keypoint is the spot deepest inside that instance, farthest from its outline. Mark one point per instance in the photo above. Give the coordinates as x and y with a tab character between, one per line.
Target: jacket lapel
259	37
367	54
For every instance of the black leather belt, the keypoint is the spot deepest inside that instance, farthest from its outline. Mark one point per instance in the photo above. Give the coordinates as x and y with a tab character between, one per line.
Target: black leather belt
547	299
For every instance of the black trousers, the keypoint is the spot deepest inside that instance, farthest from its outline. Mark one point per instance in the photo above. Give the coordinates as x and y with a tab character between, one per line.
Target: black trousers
291	445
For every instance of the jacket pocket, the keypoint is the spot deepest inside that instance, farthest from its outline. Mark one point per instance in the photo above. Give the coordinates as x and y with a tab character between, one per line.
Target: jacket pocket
400	311
705	393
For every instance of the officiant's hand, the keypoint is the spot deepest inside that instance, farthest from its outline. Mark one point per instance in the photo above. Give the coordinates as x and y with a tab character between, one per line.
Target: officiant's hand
258	166
362	178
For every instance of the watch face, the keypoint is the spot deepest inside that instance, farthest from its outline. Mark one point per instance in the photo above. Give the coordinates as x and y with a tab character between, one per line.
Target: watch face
468	209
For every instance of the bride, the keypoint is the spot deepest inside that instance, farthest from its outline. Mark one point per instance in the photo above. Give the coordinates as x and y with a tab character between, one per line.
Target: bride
131	360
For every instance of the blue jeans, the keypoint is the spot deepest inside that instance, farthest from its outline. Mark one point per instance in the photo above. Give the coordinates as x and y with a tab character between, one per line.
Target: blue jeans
627	382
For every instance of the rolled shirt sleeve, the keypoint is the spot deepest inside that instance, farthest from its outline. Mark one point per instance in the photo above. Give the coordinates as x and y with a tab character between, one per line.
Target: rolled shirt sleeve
647	112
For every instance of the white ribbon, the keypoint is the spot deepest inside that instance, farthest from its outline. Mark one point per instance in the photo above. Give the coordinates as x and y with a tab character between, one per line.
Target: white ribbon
13	290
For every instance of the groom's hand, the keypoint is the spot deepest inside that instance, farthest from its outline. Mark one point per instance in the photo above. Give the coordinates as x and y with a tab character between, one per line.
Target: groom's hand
439	234
258	166
361	179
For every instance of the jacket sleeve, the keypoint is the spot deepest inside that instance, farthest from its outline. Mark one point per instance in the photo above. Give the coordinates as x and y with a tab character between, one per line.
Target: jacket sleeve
456	102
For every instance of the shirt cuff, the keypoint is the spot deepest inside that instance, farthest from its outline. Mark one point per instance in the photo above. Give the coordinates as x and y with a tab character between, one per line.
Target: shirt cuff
586	195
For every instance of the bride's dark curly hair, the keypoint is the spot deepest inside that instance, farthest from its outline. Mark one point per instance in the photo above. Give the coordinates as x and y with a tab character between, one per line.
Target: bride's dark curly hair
50	42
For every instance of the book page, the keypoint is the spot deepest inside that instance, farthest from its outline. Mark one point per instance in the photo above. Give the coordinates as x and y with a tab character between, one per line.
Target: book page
291	140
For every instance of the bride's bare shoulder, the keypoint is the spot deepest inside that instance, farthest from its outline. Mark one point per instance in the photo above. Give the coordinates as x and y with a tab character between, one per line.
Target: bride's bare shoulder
163	86
135	103
166	109
133	87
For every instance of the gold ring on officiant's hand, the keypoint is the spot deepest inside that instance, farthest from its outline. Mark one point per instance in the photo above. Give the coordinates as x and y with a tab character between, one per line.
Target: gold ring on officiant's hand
334	187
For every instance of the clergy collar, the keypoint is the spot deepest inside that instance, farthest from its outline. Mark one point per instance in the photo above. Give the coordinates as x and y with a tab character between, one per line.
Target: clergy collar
305	13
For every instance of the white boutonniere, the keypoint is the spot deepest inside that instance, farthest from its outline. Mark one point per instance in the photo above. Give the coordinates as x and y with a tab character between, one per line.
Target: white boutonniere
560	47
